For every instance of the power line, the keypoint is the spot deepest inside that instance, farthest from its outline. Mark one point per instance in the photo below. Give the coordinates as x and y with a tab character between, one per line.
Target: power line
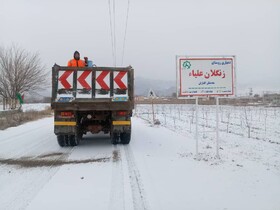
125	31
115	43
112	15
111	29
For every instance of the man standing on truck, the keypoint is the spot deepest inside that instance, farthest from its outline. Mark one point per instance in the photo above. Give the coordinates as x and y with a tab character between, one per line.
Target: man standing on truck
76	62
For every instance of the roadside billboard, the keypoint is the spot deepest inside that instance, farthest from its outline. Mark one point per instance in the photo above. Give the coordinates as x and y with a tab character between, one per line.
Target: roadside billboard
205	76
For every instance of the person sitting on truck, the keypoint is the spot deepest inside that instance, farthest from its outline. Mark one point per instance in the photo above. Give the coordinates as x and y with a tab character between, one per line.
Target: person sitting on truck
76	62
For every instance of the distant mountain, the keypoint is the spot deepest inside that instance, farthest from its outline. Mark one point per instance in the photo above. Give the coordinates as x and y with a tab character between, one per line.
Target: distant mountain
167	88
160	87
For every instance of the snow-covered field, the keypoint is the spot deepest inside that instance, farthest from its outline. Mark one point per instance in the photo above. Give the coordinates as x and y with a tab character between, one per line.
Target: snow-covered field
238	144
36	106
157	170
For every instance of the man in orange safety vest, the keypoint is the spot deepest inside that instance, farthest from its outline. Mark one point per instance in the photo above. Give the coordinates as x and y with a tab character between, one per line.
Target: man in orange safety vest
76	62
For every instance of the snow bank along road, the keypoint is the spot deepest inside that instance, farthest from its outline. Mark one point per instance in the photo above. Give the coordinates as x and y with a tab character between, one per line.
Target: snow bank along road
156	171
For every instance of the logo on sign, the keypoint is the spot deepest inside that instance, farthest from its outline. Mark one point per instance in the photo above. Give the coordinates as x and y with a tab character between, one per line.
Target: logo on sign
186	65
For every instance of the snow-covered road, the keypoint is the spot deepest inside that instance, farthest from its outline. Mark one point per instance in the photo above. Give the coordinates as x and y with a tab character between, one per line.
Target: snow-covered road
155	171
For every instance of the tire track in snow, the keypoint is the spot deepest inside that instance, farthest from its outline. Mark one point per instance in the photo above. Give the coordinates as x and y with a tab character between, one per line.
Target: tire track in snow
19	135
138	194
25	192
26	150
19	153
26	142
117	184
18	194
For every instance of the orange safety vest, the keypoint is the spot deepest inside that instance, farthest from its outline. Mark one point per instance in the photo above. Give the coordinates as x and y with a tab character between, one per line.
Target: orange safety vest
76	63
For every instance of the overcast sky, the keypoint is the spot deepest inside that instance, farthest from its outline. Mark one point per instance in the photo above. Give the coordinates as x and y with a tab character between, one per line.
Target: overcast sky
158	30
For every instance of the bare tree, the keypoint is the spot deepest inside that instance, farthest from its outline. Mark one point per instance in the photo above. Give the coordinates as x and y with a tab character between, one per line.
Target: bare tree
20	71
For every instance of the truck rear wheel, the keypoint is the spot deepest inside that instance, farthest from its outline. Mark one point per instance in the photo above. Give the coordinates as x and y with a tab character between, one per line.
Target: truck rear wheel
73	140
125	138
114	138
66	139
61	140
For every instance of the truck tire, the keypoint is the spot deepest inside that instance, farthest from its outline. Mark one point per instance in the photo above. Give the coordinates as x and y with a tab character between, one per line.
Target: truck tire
61	140
114	138
80	136
66	139
73	140
125	138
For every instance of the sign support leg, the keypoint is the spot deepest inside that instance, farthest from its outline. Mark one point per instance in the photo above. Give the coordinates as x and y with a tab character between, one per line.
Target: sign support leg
217	128
196	126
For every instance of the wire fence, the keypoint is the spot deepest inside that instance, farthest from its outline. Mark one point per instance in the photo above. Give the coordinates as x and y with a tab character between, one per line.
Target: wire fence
261	123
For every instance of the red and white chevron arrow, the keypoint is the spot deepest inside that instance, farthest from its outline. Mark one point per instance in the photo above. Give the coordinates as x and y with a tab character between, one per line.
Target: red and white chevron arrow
103	80
120	80
84	80
65	81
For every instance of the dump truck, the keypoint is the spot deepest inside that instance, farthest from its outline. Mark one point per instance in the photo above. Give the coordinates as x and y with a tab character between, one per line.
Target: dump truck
92	99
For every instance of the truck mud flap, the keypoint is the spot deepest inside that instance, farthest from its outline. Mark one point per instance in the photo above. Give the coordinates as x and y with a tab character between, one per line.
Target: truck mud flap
121	126
64	127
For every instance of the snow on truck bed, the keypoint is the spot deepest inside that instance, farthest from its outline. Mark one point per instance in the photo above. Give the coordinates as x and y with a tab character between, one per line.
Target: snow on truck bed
157	170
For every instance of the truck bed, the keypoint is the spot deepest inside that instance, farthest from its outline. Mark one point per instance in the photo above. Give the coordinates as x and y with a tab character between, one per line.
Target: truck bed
92	88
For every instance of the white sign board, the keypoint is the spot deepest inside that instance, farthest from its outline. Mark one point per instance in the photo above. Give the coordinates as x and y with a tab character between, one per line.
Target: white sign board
205	76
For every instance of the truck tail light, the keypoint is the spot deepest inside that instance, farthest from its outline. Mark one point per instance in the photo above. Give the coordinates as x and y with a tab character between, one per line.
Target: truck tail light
67	114
122	113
